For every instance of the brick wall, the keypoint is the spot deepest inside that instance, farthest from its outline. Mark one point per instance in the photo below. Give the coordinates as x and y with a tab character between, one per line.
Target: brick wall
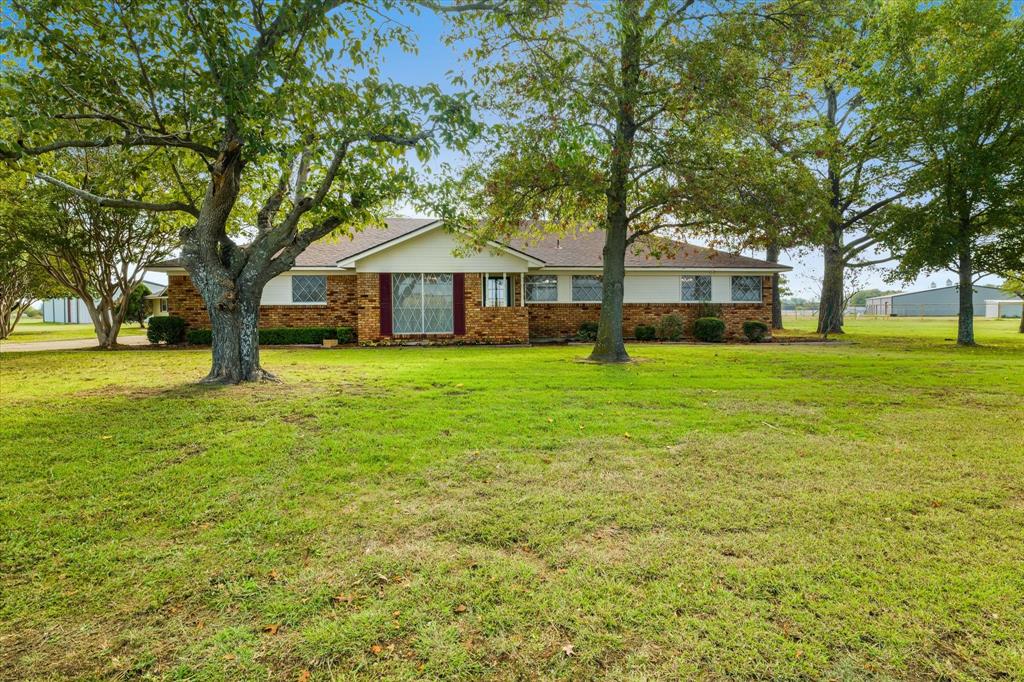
183	300
483	325
354	301
562	320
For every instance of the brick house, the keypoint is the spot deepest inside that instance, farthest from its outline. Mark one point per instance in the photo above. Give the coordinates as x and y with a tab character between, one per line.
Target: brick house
406	282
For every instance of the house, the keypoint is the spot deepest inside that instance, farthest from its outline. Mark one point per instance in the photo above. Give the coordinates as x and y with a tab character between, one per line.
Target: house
74	311
409	282
937	302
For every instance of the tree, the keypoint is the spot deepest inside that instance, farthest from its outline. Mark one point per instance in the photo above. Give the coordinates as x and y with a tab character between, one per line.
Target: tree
22	283
278	108
949	82
631	116
851	154
99	254
1014	283
135	311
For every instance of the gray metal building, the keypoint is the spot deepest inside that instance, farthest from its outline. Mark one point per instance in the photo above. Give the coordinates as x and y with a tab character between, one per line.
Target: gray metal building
937	302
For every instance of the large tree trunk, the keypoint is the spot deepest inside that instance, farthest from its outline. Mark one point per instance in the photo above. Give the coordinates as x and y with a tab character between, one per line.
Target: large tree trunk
235	322
610	346
1021	329
830	309
965	323
772	256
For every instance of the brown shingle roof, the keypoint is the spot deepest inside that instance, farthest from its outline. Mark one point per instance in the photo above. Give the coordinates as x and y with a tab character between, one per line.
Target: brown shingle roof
583	249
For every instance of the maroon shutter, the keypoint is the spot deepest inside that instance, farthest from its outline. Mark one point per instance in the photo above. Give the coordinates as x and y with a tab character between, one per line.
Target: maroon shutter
459	303
385	304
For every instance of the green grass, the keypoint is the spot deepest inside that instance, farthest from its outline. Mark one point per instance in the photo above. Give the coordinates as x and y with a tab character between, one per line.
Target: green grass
29	331
846	511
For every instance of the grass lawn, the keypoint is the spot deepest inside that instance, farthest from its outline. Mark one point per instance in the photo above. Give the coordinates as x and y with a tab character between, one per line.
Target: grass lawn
847	511
35	330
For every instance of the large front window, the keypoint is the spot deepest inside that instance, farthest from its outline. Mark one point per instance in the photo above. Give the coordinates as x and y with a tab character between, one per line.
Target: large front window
422	303
746	288
586	288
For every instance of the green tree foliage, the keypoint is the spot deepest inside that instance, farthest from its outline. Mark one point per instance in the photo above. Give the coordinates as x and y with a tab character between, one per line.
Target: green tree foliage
96	253
136	307
270	118
634	117
949	82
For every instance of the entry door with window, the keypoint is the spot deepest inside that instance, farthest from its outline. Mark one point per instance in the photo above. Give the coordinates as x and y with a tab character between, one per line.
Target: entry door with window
497	291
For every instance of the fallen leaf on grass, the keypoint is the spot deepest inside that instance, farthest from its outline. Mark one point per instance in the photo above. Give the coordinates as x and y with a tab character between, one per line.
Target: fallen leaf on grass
304	676
377	649
229	657
461	608
569	650
271	629
343	597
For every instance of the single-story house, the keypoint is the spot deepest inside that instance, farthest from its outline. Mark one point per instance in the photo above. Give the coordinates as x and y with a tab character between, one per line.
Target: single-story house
1012	307
74	311
409	281
937	302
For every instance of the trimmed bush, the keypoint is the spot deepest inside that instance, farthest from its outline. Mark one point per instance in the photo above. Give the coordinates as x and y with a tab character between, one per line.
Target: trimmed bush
645	332
279	336
709	329
755	330
199	337
168	329
345	335
670	328
587	331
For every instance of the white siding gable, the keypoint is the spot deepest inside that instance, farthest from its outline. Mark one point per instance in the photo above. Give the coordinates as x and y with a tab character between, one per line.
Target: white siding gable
432	252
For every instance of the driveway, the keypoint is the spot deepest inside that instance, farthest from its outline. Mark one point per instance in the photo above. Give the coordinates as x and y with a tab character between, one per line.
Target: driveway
76	344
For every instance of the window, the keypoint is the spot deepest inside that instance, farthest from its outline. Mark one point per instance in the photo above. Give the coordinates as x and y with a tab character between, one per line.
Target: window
586	287
696	287
746	288
497	292
422	303
309	289
541	288
163	305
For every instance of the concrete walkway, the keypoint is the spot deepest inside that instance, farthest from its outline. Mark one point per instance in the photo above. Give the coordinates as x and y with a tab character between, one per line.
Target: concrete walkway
76	344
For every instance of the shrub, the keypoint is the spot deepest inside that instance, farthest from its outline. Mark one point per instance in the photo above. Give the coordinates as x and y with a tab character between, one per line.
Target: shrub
587	331
289	336
709	329
670	328
708	310
281	336
199	337
345	335
645	332
755	330
169	329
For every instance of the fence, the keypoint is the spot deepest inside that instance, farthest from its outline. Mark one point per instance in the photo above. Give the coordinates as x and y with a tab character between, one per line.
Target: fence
916	310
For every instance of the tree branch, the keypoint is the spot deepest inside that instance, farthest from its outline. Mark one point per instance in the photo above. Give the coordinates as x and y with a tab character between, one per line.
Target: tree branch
108	202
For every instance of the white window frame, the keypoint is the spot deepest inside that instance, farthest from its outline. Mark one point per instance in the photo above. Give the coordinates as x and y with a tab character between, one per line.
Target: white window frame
509	298
696	300
292	286
573	289
526	289
760	289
